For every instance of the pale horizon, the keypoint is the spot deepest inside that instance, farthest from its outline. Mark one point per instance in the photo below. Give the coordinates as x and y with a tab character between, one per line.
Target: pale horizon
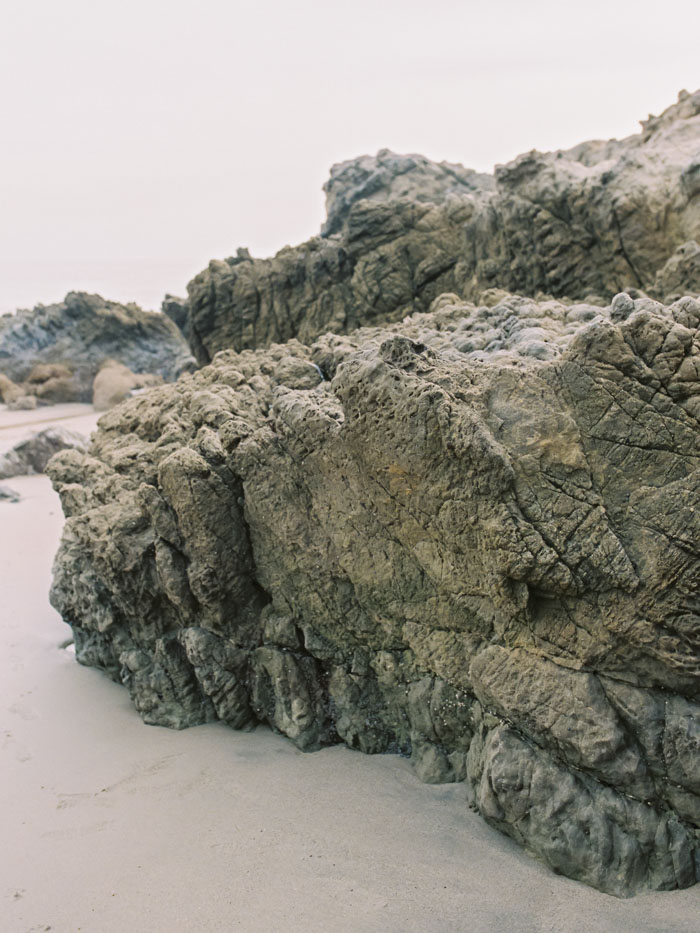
139	141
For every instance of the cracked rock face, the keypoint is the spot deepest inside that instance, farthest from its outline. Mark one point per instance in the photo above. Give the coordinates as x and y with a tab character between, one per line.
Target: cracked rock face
594	220
470	537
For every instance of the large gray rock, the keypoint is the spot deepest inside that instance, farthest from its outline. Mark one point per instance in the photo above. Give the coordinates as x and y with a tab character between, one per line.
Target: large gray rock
80	333
593	220
470	537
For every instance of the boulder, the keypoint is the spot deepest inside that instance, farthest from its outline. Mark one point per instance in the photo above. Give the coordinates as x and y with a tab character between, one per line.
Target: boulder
23	403
53	383
8	495
470	537
597	219
115	382
9	391
77	335
680	275
33	453
177	310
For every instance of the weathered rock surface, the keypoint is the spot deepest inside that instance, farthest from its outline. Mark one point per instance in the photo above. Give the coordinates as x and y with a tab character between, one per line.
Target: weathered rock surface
388	176
401	230
471	537
680	275
33	453
77	336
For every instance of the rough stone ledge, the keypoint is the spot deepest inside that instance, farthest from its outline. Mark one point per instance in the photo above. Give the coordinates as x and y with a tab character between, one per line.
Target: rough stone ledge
470	537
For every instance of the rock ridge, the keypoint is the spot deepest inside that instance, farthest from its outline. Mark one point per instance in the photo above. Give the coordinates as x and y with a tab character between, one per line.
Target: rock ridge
595	220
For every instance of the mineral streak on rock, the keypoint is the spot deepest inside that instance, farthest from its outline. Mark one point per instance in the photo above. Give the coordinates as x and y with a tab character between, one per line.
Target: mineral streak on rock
597	219
470	537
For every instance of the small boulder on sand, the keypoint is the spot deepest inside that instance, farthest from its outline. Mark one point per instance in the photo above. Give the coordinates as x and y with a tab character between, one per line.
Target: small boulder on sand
9	390
53	383
115	382
23	403
8	495
32	454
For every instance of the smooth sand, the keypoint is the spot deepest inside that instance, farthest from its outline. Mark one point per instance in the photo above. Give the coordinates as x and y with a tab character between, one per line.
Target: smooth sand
111	826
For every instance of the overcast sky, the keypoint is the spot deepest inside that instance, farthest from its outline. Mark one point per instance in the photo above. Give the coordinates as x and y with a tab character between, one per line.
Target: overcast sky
140	138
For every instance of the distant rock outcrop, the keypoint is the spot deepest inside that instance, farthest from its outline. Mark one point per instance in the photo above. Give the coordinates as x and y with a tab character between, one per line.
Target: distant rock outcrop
471	537
56	350
401	230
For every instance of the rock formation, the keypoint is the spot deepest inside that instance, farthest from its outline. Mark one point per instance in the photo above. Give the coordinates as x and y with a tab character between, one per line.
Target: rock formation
177	310
401	230
56	350
470	537
115	382
33	453
388	176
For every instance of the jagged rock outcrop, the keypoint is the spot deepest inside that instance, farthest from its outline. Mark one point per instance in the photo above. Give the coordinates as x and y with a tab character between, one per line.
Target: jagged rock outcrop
76	336
471	537
388	176
592	220
177	310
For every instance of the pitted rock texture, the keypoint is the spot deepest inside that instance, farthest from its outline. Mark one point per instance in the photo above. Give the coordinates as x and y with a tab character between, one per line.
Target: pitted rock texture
77	335
470	537
590	221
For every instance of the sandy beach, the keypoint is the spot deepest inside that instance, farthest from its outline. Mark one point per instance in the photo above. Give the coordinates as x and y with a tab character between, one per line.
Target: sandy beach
109	825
